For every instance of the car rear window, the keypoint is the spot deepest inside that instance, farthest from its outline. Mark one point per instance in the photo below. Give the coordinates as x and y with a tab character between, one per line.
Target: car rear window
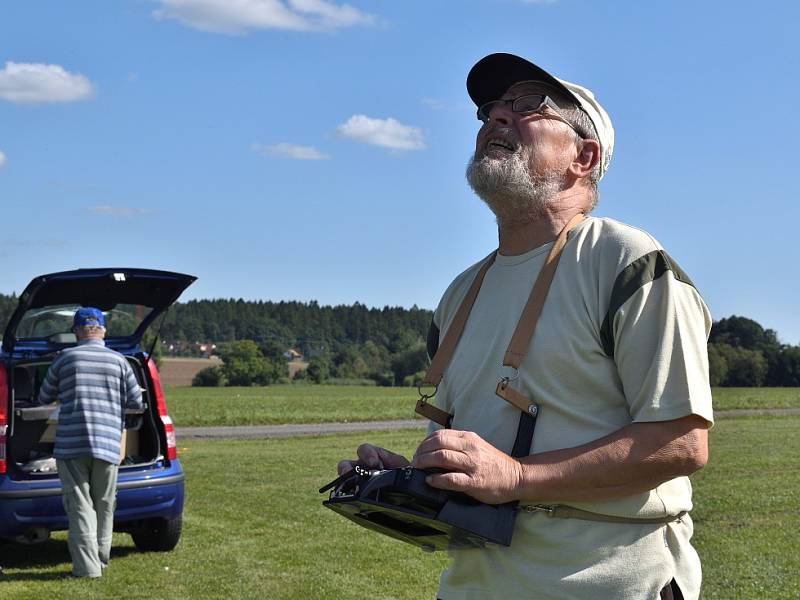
55	322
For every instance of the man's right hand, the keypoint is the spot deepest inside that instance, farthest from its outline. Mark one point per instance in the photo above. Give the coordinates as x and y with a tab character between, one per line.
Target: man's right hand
373	457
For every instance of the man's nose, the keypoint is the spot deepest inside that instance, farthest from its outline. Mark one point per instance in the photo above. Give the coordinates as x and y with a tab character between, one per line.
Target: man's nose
501	112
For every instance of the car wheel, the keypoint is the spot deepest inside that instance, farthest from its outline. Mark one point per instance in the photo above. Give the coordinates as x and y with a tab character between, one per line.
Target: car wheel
157	535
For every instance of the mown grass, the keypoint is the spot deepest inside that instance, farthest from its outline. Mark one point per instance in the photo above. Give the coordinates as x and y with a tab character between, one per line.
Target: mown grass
328	403
255	528
279	404
736	398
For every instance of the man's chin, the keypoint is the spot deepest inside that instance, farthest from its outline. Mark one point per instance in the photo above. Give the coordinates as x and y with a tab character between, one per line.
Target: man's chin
505	184
514	213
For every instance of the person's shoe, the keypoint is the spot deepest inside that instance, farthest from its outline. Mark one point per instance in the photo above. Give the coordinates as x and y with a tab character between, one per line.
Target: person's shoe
74	576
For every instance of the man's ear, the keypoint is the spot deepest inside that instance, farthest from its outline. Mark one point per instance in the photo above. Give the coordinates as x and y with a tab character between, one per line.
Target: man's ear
586	160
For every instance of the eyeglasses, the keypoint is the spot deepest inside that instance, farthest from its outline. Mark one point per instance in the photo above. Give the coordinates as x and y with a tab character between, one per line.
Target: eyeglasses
527	104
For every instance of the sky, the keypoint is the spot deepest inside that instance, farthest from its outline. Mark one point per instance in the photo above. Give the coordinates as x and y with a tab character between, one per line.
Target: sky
315	149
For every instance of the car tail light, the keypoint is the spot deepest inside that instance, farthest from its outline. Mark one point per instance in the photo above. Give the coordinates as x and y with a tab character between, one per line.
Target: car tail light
161	405
3	416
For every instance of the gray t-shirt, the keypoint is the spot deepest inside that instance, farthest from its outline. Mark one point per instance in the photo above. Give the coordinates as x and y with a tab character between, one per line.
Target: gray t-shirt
621	339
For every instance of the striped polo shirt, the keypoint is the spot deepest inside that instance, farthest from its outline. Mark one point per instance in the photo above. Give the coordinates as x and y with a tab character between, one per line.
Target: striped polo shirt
94	386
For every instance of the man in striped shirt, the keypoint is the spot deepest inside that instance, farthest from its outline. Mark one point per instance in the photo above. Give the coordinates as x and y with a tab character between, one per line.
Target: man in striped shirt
94	385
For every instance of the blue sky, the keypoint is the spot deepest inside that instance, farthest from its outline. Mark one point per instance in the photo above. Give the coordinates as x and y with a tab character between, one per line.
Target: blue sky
311	149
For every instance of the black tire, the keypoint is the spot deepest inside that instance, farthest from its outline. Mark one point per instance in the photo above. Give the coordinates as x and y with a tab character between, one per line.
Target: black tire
157	535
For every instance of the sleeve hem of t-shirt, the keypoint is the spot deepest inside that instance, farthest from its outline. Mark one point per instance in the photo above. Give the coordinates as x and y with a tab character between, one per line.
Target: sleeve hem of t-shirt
667	414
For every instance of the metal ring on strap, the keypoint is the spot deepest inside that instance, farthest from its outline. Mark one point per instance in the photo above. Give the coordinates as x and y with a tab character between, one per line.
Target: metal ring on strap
505	380
425	397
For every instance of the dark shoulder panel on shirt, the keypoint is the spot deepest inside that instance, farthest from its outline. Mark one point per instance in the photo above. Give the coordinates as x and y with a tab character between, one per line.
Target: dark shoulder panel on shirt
639	273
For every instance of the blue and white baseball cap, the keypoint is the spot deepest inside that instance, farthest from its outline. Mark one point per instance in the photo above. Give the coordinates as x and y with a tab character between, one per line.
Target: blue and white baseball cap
88	316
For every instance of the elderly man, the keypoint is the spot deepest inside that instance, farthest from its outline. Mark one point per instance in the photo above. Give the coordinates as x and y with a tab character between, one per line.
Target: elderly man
616	366
94	386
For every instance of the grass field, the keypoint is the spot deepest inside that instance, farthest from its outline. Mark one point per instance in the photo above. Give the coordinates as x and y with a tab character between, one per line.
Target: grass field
327	403
734	398
255	528
278	404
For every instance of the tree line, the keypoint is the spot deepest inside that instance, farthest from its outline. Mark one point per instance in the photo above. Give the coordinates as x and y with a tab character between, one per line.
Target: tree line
742	353
386	346
343	344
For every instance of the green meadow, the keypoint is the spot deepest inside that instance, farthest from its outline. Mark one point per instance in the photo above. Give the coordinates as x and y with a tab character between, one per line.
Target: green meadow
255	527
278	404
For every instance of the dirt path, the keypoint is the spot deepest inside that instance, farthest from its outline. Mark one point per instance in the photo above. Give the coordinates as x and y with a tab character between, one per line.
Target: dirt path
280	431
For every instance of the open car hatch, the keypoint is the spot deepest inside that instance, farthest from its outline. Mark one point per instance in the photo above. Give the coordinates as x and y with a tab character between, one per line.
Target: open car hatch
130	298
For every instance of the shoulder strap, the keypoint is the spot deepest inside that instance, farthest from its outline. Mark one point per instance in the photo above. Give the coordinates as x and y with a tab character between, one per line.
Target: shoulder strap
520	341
446	349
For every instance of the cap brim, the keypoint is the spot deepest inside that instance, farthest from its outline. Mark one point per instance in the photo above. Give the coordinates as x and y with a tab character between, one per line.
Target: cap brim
492	75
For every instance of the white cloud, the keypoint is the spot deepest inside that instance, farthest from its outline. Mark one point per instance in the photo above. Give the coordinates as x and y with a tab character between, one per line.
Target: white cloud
290	151
434	103
125	212
332	16
240	16
2	159
36	83
388	133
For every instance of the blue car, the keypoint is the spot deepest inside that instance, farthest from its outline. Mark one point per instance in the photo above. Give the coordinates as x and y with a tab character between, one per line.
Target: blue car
151	481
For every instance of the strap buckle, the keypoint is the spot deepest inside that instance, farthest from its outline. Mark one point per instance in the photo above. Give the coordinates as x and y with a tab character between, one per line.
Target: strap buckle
506	377
425	397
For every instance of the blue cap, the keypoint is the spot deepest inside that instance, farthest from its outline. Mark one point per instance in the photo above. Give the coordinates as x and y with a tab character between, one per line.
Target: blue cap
88	316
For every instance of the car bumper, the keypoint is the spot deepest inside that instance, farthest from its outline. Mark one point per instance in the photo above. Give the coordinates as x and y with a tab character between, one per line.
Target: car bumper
141	494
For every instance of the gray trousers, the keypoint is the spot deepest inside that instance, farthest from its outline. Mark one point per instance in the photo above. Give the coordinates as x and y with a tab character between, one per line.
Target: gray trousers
89	490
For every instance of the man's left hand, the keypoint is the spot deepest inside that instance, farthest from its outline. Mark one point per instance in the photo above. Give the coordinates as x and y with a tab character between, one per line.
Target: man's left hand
472	466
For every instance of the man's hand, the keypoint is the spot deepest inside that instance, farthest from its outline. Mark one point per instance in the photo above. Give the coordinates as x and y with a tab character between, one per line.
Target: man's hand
473	466
373	457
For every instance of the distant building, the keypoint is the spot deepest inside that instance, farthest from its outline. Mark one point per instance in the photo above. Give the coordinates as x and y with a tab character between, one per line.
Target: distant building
202	349
292	354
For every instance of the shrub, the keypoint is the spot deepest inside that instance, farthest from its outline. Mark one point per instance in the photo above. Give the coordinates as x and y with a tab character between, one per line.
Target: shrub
350	381
209	377
414	380
409	363
244	364
745	368
717	366
319	369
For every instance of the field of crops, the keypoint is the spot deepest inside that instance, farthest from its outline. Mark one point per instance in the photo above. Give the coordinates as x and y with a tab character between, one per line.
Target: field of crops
255	528
328	403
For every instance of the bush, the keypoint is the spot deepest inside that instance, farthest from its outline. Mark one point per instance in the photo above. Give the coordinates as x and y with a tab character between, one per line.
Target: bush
717	366
789	366
383	379
409	363
319	369
349	381
244	364
745	368
414	380
209	377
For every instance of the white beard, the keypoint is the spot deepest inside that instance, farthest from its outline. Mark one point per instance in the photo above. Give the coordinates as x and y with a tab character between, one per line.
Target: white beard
509	189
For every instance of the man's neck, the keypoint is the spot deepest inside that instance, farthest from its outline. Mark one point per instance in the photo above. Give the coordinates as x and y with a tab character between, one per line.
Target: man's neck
519	237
